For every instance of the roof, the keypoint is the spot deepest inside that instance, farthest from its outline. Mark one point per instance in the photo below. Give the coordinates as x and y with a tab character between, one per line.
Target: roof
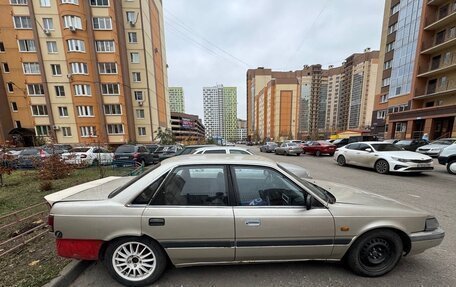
218	159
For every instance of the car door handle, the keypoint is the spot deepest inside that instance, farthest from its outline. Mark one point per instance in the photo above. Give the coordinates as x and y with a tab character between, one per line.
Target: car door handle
156	221
253	222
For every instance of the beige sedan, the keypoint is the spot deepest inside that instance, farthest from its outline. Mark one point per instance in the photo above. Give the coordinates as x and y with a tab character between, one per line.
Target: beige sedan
214	209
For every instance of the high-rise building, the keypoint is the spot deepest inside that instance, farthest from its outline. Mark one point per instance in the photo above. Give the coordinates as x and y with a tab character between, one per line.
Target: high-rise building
220	112
84	71
241	130
176	99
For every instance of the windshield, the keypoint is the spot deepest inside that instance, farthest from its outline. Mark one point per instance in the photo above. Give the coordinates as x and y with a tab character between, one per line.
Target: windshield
317	190
443	142
80	149
386	147
125	149
291	144
404	142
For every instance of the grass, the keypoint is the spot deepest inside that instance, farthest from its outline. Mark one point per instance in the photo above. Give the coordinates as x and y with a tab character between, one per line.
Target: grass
37	263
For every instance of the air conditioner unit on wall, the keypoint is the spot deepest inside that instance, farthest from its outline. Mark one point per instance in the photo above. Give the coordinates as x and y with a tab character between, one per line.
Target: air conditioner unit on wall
72	29
140	103
56	128
47	32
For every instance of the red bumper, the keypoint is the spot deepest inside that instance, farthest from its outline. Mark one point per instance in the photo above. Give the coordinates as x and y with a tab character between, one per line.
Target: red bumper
79	249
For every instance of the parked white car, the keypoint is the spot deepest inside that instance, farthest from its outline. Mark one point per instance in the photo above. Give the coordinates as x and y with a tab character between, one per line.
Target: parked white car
88	156
448	157
222	150
383	157
435	147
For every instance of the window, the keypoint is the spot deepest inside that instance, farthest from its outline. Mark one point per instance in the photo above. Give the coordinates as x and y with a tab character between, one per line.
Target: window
99	3
395	9
5	68
35	89
39	110
110	89
115	129
70	21
140	114
56	70
63	112
102	23
105	46
141	131
14	106
22	22
131	17
392	28
51	47
146	195
401	127
235	151
113	109
136	76
107	68
26	45
42	130
214	151
48	24
85	111
134	57
10	87
381	114
443	82
265	186
89	131
74	2
75	45
139	96
31	68
2	47
59	91
132	37
79	68
384	99
200	185
388	64
18	2
398	90
82	90
66	131
386	82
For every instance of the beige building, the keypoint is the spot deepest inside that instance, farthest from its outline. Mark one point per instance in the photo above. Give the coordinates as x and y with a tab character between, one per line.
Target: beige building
176	99
85	71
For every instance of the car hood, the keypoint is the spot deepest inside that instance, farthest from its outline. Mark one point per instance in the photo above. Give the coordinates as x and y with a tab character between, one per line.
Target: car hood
405	154
93	190
351	195
435	146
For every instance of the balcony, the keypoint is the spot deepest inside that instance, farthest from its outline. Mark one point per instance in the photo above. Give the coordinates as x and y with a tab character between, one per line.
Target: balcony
441	21
435	89
436	2
439	45
439	67
437	111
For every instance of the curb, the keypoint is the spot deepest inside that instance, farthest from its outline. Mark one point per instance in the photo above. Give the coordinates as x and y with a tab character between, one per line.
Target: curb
69	274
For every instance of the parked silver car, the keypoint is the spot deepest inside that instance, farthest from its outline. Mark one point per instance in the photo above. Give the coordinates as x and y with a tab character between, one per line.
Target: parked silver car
434	148
289	149
215	209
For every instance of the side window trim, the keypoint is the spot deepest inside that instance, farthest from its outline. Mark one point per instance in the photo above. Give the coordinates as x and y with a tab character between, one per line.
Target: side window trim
158	188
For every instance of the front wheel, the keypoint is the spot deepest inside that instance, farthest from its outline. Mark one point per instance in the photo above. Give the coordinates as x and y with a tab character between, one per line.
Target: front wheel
341	160
134	261
451	167
382	166
375	253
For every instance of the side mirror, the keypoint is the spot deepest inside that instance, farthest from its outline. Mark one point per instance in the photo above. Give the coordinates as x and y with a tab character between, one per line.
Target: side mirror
309	200
368	149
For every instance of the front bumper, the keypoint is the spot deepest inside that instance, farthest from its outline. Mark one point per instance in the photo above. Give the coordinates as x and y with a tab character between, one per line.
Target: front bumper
443	160
433	153
425	239
398	166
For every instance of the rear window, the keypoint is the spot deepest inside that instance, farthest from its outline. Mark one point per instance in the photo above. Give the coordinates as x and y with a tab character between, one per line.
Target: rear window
125	149
29	152
443	142
80	149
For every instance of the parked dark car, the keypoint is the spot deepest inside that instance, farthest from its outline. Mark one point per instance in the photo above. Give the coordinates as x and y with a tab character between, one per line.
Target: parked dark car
320	147
152	147
355	139
250	143
30	157
268	147
131	154
57	148
191	148
166	151
340	142
412	145
393	141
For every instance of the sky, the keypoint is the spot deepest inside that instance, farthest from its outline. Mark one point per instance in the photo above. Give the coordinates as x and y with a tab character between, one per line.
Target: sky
210	42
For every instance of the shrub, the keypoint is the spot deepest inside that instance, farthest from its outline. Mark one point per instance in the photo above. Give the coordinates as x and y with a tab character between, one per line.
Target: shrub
53	167
45	185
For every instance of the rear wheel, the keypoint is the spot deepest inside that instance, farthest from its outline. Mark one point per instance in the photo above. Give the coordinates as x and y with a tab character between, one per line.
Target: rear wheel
451	167
298	154
341	160
375	253
382	166
318	153
134	261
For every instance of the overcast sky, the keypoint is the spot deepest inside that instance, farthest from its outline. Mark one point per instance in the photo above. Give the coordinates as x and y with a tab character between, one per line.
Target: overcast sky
211	42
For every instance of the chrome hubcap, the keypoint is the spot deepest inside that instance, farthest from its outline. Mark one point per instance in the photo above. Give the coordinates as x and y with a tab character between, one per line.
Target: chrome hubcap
134	261
453	167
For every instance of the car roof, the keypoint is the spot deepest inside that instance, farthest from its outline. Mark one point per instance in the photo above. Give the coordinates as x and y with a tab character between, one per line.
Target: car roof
218	159
221	147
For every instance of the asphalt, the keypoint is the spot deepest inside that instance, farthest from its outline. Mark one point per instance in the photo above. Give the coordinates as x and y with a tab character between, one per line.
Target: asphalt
434	191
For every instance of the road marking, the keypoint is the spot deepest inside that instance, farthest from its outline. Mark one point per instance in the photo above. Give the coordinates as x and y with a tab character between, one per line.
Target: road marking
413	195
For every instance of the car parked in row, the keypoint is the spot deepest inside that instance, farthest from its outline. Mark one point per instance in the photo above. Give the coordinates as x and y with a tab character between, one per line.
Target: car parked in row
88	156
434	148
340	142
206	209
411	145
383	157
30	157
289	149
320	147
128	154
448	157
268	147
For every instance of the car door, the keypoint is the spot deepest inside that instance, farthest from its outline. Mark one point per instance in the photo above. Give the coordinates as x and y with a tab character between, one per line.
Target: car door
361	156
271	220
191	215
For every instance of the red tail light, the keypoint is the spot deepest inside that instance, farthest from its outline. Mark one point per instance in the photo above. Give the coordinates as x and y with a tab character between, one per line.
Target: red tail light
51	222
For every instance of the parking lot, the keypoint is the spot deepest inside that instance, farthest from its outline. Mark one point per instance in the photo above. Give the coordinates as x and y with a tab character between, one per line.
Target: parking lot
434	191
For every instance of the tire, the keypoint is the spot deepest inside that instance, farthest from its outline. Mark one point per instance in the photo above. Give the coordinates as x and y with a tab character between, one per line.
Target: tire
375	253
381	166
318	153
451	167
341	160
152	269
298	154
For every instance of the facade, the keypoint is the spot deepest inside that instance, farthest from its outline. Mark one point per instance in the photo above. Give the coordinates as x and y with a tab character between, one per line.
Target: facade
241	130
176	99
220	112
187	129
85	71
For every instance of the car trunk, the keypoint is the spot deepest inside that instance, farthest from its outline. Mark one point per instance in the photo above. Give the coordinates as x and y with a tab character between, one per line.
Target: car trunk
93	190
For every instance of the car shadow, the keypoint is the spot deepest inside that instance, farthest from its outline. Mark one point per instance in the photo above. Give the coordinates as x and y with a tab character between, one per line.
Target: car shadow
399	174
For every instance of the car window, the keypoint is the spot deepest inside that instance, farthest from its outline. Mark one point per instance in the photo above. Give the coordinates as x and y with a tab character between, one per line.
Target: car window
125	149
237	151
142	149
80	149
352	146
261	186
406	142
363	147
386	147
315	143
146	195
30	152
194	185
215	151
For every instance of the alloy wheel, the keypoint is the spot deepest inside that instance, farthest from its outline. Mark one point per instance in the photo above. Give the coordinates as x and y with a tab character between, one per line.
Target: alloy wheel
134	261
382	166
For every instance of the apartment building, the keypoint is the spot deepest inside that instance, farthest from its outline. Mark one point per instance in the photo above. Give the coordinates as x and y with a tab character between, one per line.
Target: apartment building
84	71
176	99
187	128
220	112
241	130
